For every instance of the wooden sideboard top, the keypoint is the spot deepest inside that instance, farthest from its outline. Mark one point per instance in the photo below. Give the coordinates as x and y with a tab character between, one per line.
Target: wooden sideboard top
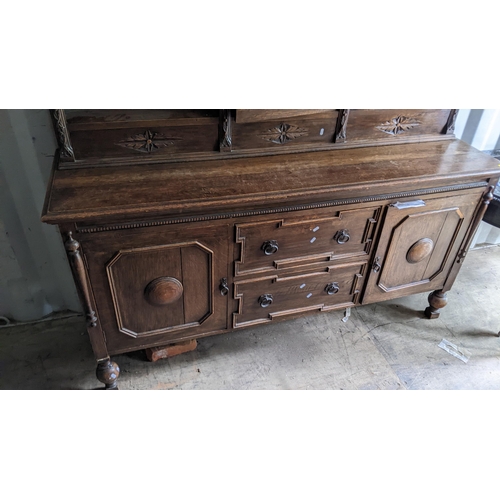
116	193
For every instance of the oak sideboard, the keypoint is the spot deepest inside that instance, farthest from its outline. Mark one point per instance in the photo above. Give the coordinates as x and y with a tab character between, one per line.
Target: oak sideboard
180	224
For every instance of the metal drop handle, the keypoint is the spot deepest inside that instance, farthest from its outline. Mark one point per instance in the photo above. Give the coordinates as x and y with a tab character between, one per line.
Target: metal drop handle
342	236
224	289
332	288
265	300
270	247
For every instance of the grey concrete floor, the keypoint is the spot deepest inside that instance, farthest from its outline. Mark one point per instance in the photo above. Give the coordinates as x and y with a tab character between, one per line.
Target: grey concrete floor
389	345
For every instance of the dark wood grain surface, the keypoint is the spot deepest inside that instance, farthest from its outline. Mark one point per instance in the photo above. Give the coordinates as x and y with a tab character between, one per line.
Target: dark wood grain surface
258	115
380	125
442	220
116	193
196	230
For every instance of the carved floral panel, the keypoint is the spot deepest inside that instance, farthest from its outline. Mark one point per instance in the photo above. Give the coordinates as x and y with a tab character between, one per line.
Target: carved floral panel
398	125
148	142
284	133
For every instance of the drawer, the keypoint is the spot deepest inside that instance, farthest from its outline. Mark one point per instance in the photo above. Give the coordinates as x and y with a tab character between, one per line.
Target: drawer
285	131
263	299
304	238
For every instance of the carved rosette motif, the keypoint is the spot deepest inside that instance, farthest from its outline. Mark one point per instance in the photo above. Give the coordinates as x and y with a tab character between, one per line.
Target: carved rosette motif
148	142
62	134
284	133
398	125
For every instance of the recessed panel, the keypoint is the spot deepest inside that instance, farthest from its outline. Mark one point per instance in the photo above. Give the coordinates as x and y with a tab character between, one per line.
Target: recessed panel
157	289
419	247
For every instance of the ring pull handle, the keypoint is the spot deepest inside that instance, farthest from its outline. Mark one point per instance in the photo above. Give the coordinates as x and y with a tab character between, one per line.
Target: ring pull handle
342	236
376	265
265	300
332	288
269	247
224	289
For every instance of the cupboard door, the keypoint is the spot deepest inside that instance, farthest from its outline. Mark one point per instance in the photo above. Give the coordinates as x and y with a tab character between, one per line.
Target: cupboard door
158	285
418	245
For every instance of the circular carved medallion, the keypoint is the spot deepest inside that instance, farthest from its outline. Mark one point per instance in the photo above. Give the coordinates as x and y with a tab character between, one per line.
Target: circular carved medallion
420	250
162	291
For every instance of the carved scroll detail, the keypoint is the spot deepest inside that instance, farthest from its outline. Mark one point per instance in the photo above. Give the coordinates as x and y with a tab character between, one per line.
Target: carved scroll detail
340	134
449	128
284	133
62	134
149	142
77	266
398	125
226	141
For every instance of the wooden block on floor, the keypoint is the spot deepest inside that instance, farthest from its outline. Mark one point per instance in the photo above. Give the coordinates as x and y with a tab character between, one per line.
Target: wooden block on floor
167	351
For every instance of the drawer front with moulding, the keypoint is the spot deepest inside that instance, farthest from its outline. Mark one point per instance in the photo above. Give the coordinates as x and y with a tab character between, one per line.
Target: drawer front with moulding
263	299
304	238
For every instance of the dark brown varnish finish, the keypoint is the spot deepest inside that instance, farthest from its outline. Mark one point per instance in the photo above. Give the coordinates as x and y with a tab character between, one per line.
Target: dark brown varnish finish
247	220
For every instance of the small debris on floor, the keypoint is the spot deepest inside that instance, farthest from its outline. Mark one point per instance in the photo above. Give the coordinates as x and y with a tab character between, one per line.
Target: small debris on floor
454	350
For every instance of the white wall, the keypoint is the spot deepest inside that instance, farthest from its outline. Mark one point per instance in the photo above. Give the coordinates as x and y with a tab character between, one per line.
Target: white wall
481	129
35	279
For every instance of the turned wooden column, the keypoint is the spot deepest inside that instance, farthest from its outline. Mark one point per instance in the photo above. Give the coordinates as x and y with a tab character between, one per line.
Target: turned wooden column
78	268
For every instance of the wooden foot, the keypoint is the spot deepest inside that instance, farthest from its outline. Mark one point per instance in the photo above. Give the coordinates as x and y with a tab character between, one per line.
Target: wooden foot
108	372
437	300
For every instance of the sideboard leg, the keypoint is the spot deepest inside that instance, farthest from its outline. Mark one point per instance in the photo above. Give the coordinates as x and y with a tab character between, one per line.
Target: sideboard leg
437	300
108	372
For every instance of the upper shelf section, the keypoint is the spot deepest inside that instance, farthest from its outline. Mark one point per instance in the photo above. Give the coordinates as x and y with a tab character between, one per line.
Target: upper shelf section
106	137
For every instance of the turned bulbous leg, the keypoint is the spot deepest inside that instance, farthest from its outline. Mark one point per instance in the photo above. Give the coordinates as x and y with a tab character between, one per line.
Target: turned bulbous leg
437	300
108	372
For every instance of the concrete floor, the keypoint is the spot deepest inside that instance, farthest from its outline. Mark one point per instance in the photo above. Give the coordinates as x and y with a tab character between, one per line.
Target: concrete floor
389	345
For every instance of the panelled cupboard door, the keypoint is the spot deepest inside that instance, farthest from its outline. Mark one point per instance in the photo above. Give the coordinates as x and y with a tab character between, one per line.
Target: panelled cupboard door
418	244
164	283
